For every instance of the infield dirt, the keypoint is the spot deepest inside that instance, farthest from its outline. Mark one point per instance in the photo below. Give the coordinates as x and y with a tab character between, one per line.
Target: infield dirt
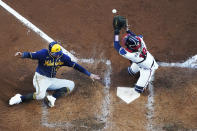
169	28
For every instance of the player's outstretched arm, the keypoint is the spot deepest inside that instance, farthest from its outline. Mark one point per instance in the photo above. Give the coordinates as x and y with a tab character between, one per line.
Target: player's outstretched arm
23	55
119	22
78	67
83	70
32	55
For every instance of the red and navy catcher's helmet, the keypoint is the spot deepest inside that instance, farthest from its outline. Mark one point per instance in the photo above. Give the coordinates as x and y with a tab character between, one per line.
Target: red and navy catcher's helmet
131	42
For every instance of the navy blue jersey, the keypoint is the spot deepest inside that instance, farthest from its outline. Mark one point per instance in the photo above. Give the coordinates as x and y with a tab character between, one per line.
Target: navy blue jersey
48	65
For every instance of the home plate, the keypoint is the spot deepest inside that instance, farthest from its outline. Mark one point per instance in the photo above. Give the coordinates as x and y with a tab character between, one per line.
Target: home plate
127	94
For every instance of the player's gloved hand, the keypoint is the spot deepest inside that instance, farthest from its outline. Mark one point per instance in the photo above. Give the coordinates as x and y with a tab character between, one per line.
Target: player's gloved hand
18	54
119	22
93	77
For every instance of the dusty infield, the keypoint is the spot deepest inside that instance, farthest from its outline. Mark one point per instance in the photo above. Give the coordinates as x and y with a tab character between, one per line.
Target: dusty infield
169	29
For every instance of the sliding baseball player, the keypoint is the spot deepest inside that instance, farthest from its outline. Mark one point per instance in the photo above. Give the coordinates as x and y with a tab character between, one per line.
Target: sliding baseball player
49	61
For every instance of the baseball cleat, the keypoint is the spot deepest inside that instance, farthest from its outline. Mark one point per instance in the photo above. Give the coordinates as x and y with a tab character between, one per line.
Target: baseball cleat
51	101
15	99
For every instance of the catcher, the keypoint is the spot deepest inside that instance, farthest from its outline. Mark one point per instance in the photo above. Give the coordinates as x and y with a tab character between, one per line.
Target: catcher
49	61
136	52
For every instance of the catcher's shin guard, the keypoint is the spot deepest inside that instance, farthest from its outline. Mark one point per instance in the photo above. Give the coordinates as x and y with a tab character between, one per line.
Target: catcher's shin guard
139	89
61	92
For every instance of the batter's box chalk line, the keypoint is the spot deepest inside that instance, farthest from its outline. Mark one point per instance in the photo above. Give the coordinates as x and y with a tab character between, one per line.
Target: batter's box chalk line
190	63
105	102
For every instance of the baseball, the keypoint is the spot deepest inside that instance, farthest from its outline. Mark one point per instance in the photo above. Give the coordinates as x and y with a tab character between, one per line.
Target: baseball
114	11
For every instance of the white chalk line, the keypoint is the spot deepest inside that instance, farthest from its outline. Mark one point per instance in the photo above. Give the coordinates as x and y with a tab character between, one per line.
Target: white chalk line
106	101
150	105
44	119
190	63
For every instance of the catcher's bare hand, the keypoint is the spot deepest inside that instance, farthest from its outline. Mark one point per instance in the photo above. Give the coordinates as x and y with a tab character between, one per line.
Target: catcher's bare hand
18	54
93	77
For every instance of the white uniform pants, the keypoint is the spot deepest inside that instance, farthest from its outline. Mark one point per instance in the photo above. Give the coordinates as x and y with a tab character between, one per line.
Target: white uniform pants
145	74
42	84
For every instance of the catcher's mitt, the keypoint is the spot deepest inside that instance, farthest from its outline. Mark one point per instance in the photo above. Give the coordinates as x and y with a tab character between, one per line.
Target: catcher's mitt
119	22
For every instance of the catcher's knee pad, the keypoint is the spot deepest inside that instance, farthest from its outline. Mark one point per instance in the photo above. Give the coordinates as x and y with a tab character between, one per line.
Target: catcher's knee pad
130	71
139	89
61	92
